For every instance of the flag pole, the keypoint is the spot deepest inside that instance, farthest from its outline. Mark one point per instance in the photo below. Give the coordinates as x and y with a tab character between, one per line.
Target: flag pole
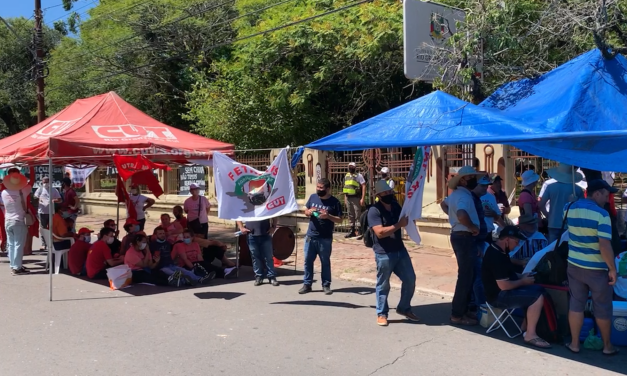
50	219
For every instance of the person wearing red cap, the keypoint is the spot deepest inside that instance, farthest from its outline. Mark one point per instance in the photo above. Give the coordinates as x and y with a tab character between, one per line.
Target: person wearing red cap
132	227
141	204
60	229
77	256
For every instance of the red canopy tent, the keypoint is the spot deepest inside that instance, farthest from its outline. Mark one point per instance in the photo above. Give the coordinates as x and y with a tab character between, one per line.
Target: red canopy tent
92	130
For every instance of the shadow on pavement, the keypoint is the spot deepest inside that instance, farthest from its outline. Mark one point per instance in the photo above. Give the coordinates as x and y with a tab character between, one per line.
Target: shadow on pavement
218	295
356	290
323	303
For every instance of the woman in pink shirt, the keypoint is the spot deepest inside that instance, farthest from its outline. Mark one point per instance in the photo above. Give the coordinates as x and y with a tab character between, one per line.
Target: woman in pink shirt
174	230
197	208
527	201
142	264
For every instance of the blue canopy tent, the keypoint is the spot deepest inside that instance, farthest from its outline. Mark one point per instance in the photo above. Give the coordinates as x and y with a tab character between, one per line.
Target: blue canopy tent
584	101
434	119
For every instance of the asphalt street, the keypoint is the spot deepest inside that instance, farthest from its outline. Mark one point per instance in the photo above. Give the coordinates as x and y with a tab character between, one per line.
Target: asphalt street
235	328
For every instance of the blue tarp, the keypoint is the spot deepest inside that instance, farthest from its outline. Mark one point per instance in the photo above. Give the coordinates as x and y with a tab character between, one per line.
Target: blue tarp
434	119
584	100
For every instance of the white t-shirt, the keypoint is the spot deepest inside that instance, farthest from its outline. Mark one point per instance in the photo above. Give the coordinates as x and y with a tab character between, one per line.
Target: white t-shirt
13	208
138	202
582	184
360	179
489	201
44	198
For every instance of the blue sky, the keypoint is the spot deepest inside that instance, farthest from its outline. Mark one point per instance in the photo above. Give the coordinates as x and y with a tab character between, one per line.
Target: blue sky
52	9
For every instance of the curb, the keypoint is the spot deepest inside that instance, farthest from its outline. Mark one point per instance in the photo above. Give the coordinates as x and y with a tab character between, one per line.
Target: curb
420	290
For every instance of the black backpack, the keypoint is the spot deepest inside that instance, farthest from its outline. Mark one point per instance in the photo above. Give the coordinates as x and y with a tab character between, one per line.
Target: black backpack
366	231
552	268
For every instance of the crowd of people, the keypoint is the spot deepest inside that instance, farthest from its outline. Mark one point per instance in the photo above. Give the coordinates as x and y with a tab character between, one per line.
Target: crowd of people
492	252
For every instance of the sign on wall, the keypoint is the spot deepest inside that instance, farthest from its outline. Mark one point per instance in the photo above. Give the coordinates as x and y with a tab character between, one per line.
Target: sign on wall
55	179
189	175
426	27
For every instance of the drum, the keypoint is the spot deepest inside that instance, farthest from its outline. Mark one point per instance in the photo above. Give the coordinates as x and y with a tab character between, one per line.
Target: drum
245	258
283	243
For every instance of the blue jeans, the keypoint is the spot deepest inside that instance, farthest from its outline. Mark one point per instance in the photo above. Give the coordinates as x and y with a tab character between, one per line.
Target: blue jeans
315	247
169	270
400	264
16	240
261	252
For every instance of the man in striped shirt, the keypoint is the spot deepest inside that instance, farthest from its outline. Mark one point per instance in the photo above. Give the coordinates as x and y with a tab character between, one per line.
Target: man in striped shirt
591	265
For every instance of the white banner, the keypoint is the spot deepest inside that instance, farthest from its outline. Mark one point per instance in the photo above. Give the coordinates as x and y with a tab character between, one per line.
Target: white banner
414	187
79	175
244	193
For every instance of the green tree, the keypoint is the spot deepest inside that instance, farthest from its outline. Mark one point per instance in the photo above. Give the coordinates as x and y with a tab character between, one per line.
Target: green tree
303	82
18	98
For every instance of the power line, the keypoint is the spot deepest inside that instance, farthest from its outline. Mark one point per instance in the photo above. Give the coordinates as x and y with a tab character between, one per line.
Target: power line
73	11
235	40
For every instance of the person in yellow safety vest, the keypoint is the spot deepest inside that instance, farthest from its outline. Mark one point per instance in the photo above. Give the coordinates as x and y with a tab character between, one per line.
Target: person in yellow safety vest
354	196
385	176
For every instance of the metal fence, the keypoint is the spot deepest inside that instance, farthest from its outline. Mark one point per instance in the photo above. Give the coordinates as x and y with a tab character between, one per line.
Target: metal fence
104	179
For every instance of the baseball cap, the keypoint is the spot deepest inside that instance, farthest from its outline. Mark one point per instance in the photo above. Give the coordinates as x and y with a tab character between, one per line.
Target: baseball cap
485	180
84	231
598	184
352	164
385	170
193	186
511	232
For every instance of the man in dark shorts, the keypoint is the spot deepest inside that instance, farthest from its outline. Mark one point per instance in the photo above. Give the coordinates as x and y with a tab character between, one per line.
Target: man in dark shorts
506	289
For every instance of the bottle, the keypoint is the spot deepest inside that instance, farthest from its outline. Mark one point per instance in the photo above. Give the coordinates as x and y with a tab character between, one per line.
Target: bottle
315	214
238	234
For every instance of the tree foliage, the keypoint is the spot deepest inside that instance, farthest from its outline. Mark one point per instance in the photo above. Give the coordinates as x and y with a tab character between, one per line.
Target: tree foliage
297	84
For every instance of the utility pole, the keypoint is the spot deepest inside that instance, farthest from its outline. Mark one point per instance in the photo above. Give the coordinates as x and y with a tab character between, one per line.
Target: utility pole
39	62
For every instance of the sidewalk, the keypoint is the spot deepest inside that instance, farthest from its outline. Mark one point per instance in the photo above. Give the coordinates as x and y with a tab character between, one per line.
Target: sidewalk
436	268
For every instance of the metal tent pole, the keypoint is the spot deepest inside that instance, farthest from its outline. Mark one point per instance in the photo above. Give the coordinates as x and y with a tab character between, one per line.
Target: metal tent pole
50	218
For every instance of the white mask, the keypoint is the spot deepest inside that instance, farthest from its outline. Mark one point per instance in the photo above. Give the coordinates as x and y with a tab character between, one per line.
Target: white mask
110	240
142	246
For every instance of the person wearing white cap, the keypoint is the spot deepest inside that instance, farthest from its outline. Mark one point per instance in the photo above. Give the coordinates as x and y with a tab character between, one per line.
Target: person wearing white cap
197	208
43	195
385	176
391	256
354	195
14	200
527	201
558	195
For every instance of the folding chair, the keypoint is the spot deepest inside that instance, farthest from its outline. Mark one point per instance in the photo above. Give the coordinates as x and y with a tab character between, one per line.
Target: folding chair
500	320
59	254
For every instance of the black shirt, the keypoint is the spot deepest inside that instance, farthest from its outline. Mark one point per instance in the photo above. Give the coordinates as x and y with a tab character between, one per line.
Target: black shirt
483	227
323	228
258	228
379	216
115	246
165	253
497	266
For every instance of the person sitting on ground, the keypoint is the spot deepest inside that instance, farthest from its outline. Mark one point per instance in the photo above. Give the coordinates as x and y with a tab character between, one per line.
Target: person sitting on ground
77	256
141	262
173	229
162	249
535	241
177	212
506	289
60	230
99	258
116	245
213	250
132	228
187	254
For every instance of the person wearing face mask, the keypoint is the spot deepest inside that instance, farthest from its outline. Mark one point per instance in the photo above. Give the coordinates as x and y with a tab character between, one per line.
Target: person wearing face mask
131	227
391	256
324	211
505	288
591	266
141	204
143	265
116	245
44	194
527	200
60	229
179	217
354	197
77	256
187	254
99	257
174	229
466	229
197	208
71	202
162	248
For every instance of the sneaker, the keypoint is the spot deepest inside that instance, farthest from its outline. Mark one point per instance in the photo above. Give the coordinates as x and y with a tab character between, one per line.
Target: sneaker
359	237
409	315
230	272
20	271
382	321
350	235
258	281
327	290
208	278
190	281
305	289
176	279
273	281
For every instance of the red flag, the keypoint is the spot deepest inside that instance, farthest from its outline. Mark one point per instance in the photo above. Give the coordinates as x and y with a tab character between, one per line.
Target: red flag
33	230
128	165
148	179
120	191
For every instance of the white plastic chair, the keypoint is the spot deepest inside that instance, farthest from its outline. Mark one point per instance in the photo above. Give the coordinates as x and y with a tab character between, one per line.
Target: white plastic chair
59	254
500	320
